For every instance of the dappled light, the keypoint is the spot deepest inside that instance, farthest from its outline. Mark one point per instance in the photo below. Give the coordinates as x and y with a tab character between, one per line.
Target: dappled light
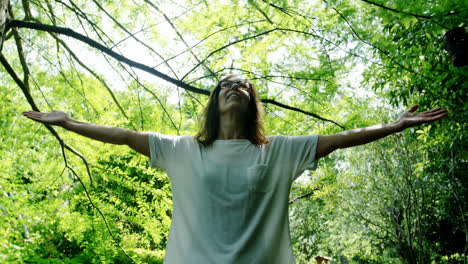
318	67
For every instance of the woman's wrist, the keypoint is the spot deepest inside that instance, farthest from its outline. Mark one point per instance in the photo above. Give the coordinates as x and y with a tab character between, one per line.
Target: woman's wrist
399	126
66	123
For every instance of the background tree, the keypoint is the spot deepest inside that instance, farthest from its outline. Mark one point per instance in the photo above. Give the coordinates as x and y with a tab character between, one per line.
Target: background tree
319	66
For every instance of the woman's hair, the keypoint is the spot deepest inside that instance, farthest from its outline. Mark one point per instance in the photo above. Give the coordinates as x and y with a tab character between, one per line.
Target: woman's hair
209	123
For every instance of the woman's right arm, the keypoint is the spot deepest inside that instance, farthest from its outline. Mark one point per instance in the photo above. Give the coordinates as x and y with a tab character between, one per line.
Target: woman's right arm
107	134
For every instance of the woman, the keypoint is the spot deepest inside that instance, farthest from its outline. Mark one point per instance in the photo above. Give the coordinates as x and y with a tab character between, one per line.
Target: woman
230	183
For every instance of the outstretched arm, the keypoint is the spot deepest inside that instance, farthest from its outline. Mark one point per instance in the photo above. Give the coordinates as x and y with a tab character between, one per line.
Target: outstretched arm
360	136
108	134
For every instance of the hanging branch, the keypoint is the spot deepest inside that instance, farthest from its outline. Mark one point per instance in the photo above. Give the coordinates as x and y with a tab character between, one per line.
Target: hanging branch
370	44
64	76
19	47
168	20
63	145
159	101
60	72
30	100
95	207
261	12
283	10
96	28
261	76
113	54
290	12
304	195
133	36
143	29
114	98
135	78
397	11
270	31
273	102
95	44
24	65
208	36
79	13
389	231
181	37
228	45
430	18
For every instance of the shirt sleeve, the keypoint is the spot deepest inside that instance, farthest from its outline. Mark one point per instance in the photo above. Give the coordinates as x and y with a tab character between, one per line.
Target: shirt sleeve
302	151
162	149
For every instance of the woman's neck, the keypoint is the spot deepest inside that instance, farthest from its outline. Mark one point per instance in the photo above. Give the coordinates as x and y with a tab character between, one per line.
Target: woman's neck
232	126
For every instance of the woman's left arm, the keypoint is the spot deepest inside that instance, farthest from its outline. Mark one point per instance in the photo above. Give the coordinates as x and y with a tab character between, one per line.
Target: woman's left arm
360	136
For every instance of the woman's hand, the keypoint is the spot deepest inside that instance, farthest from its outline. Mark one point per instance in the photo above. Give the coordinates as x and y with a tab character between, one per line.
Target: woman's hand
57	118
410	118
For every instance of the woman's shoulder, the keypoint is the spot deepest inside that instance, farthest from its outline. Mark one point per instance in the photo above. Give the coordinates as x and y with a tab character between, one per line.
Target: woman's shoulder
299	139
173	138
277	138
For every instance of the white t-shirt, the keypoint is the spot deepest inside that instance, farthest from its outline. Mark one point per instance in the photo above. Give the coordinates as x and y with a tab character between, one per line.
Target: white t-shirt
230	200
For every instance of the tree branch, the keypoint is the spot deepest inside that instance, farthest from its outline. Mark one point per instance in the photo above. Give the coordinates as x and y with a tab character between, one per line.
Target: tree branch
181	37
304	195
95	44
31	102
208	36
370	44
430	18
261	12
270	101
114	98
63	146
19	46
135	38
397	11
113	54
95	207
227	45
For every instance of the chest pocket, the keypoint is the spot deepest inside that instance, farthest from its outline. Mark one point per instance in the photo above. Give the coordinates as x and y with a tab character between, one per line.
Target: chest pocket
257	179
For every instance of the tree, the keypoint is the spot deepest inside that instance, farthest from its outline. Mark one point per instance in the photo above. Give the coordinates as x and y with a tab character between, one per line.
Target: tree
145	65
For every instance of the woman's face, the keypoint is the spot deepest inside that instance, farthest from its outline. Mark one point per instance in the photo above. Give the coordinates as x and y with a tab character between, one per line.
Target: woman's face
233	98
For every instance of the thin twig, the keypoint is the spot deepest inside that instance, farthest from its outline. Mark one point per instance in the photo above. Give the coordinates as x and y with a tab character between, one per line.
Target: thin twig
34	107
63	146
370	44
269	101
181	37
134	37
430	18
304	195
123	59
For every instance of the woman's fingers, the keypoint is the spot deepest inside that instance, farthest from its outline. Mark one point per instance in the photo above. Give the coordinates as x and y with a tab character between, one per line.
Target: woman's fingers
437	112
30	114
434	112
435	115
36	116
413	108
441	114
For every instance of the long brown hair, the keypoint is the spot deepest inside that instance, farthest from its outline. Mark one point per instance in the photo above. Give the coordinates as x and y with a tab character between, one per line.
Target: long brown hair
209	124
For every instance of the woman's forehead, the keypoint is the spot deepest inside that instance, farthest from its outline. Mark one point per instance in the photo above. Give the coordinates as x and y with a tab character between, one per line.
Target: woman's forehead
233	78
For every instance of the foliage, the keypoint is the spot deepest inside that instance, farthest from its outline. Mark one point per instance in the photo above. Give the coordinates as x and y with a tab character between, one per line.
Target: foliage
357	63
